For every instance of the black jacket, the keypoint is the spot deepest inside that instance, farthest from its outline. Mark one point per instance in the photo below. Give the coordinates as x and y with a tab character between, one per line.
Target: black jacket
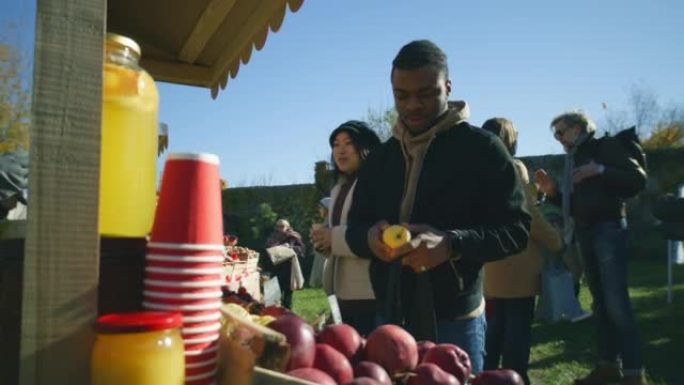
602	198
468	186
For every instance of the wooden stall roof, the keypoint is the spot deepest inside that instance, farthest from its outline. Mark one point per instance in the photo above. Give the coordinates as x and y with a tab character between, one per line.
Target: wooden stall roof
197	42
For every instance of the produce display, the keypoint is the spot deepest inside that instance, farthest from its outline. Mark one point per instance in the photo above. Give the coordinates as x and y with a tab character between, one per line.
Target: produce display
235	252
338	354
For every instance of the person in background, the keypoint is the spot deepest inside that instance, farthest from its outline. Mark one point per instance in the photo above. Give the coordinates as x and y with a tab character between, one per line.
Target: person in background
345	274
510	285
316	276
455	187
600	173
13	183
284	234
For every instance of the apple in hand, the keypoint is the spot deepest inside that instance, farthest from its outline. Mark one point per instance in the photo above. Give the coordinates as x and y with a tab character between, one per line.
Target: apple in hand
396	236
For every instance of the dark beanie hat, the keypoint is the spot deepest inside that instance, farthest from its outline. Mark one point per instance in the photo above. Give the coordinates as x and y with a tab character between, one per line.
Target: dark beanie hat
361	134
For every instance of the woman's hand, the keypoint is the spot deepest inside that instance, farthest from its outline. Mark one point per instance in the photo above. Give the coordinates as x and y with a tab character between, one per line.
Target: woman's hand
321	238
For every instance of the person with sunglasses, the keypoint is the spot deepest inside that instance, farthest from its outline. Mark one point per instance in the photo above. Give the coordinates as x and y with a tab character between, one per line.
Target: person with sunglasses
600	174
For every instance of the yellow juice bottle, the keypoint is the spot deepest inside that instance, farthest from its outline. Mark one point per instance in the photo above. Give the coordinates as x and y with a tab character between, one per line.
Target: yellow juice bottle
129	142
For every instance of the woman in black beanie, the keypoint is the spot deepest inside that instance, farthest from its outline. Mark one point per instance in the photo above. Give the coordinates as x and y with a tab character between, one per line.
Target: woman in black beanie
345	274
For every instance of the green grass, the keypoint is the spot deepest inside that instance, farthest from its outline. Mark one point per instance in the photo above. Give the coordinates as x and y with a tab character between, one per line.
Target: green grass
564	351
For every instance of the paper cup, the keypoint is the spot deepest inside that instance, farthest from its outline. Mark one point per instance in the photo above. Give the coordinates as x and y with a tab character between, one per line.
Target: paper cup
185	248
204	376
201	351
195	371
190	363
201	316
187	280
216	270
198	339
189	207
181	290
196	329
185	264
187	258
182	296
155	305
198	283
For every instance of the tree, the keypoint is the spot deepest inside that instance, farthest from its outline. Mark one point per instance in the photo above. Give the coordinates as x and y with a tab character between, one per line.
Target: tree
323	178
15	101
658	127
382	122
666	136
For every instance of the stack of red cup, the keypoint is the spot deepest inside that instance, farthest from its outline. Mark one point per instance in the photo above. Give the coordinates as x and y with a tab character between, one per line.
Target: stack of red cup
185	258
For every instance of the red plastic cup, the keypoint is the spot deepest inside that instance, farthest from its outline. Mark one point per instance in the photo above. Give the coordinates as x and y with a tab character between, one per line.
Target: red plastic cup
165	306
189	207
191	372
153	295
216	269
198	339
184	280
204	303
201	316
192	363
209	376
176	282
185	264
201	351
185	258
181	290
200	329
185	249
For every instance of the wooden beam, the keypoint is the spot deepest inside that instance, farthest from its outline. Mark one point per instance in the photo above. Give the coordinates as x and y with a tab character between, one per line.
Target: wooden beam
176	72
257	20
61	261
212	17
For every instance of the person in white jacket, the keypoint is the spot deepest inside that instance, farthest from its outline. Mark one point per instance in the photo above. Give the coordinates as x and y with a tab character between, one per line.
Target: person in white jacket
345	274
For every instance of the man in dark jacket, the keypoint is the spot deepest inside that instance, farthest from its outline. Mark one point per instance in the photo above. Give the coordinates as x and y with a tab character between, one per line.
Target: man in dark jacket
455	187
599	175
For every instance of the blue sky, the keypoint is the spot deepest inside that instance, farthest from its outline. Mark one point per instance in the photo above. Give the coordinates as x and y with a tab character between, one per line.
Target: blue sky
330	62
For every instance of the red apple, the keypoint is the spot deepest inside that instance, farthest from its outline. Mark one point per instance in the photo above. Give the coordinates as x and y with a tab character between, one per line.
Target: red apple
342	337
363	381
372	370
423	347
498	377
451	359
300	336
333	363
393	348
431	374
314	375
274	311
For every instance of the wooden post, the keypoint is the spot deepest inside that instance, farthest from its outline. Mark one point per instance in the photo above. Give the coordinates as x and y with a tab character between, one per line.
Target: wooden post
61	261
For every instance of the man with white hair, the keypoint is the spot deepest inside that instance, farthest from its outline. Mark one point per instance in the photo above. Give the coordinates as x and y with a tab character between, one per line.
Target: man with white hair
600	173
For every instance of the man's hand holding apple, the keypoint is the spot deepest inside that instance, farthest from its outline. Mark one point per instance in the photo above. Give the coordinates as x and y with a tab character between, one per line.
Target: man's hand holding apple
381	249
428	249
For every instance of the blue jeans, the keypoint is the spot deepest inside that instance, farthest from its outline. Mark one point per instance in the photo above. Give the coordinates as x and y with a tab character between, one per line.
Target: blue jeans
509	334
469	335
603	249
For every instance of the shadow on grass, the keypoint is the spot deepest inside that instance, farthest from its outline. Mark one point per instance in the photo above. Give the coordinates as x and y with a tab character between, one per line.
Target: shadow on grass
660	325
